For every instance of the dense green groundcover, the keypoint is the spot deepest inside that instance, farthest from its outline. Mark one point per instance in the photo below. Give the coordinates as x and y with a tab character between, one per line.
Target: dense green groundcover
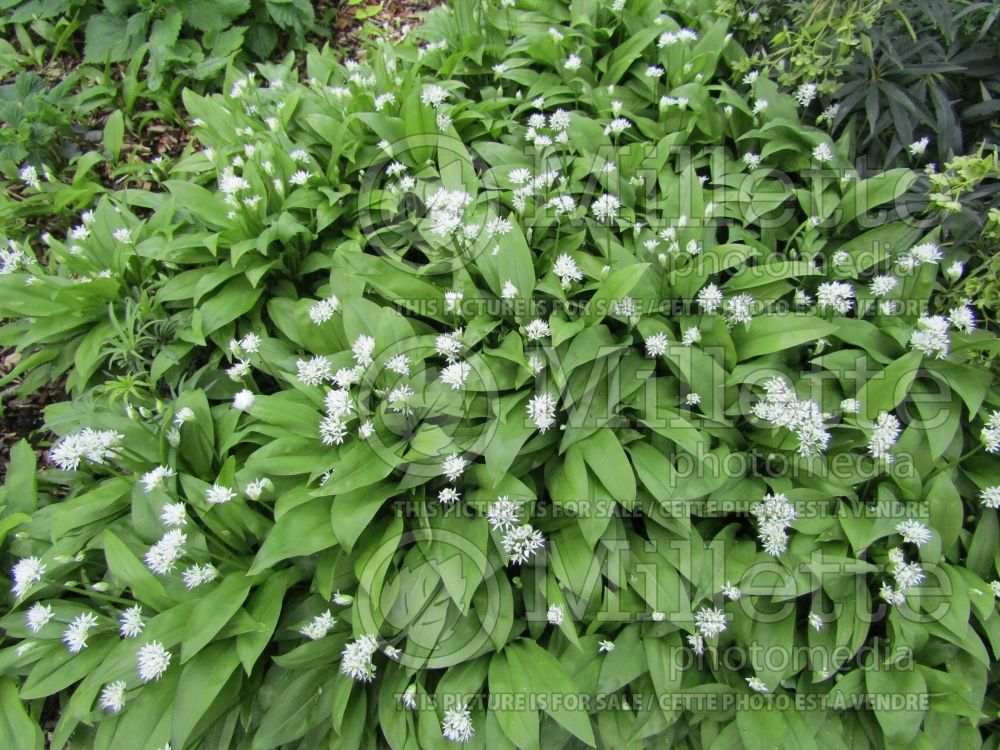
524	384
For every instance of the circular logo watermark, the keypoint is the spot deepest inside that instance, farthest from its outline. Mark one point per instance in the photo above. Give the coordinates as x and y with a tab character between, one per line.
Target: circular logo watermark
426	208
439	567
429	397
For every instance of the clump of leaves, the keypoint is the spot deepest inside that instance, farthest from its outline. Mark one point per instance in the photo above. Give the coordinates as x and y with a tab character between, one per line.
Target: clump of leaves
932	68
524	377
38	124
807	42
966	193
190	39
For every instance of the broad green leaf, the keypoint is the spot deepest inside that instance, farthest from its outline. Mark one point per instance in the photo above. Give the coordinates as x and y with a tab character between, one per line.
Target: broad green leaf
520	724
212	612
200	682
124	565
899	722
606	458
773	333
303	530
546	675
885	390
114	133
17	729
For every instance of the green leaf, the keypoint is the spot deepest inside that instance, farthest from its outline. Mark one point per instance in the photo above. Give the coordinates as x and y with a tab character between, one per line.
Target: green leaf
17	730
234	300
606	458
899	722
761	729
20	485
303	530
126	567
114	133
863	195
203	203
508	438
885	390
200	683
105	38
212	612
617	285
519	724
544	674
59	668
362	466
774	333
265	609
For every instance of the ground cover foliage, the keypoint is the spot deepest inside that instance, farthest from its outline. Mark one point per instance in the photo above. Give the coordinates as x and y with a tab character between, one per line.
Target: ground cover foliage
546	377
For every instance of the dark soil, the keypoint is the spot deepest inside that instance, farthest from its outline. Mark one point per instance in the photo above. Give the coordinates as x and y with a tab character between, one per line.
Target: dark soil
21	418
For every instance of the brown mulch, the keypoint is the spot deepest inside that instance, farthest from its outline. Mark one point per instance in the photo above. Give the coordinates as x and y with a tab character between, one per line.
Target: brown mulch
349	32
21	418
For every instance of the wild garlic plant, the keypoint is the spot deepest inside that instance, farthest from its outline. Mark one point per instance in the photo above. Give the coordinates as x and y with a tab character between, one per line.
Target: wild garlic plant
526	357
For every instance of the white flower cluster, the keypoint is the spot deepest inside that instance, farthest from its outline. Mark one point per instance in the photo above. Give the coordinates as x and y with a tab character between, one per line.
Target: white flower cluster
457	725
519	541
197	575
314	371
913	532
96	446
448	345
926	252
333	426
356	658
323	310
26	573
503	514
605	208
627	308
990	434
454	466
782	408
153	660
657	345
884	436
906	576
738	309
774	514
131	622
12	258
38	616
529	185
837	295
670	38
447	208
78	630
990	497
162	556
155	477
218	494
319	626
455	375
542	411
544	132
537	329
805	93
555	614
567	270
709	623
113	696
931	336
